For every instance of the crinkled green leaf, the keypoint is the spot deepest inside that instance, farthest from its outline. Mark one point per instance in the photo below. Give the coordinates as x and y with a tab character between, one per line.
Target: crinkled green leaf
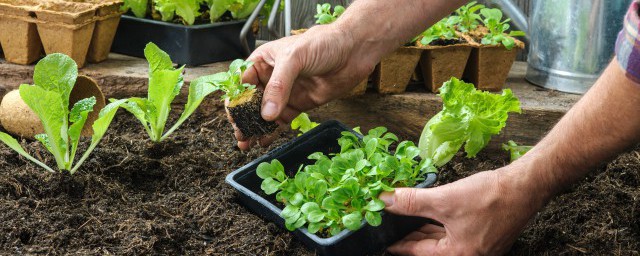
56	73
138	7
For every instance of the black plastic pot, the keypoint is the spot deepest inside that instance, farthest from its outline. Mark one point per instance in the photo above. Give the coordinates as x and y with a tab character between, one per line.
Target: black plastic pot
323	138
190	45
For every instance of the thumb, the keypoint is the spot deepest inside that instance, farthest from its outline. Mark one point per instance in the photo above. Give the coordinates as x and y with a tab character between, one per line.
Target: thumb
418	202
278	89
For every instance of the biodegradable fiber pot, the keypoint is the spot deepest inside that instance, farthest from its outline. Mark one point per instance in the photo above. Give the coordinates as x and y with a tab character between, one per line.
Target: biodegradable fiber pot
489	65
67	27
107	20
18	33
17	118
245	112
324	138
439	63
394	71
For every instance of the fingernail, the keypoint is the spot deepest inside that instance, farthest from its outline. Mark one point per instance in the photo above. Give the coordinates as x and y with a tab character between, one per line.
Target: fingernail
269	110
387	198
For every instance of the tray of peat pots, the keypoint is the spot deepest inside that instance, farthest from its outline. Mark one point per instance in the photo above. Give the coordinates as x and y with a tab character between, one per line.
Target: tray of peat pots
324	186
326	16
18	32
445	55
494	51
192	36
66	27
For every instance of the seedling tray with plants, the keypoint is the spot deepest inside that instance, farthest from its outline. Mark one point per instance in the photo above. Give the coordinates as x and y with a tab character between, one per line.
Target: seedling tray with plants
323	138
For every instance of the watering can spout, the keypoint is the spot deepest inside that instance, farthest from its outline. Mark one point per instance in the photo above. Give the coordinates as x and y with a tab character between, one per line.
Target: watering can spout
512	11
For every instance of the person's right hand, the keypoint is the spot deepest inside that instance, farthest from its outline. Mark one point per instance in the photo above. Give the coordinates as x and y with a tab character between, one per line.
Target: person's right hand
301	72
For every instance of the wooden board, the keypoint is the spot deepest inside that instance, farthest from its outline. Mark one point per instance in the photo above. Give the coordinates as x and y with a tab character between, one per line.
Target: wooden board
404	114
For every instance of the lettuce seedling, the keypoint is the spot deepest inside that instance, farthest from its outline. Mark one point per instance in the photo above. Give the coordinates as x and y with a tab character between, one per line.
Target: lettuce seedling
324	15
442	30
469	17
516	151
54	78
138	7
468	117
165	83
188	10
341	190
303	124
492	19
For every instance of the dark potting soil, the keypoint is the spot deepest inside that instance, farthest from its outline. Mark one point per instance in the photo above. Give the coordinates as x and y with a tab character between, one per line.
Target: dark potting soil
445	42
132	197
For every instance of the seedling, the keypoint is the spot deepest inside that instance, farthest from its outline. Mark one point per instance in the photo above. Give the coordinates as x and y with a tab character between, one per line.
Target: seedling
165	83
324	14
442	30
245	101
469	117
469	17
492	19
338	191
303	124
54	78
515	151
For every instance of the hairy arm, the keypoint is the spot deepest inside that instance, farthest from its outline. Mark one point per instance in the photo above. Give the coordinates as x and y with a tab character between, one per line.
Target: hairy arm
602	124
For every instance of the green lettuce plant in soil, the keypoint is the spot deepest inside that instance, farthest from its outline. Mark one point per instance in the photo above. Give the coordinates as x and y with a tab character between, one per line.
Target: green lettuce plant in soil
172	199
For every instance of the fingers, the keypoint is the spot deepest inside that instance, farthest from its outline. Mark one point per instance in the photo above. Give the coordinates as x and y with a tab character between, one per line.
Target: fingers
412	202
278	90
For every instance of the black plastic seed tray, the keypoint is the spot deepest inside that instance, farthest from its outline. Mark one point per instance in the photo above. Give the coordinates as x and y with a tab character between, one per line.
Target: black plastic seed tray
323	138
190	45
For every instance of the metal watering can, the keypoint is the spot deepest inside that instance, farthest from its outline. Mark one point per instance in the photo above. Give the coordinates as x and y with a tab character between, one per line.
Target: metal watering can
570	41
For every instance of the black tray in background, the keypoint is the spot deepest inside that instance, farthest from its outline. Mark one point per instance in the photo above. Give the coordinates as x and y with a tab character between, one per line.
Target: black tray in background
190	45
323	138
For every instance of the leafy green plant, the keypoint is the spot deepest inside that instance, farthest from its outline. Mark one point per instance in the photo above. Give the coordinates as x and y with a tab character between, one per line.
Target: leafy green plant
324	14
469	117
492	19
469	17
190	10
54	78
230	82
338	192
165	83
443	29
516	151
303	124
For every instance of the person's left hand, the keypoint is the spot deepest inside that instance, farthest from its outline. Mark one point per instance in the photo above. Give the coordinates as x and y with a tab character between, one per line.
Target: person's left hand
482	214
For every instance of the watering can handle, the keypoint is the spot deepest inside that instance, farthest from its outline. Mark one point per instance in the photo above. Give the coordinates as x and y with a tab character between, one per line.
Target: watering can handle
513	12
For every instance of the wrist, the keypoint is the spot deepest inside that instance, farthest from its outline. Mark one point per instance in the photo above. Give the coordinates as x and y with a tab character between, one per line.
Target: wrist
525	180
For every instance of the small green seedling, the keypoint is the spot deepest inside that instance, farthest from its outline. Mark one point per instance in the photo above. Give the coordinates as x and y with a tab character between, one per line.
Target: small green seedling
54	78
469	17
324	15
515	151
339	191
303	124
442	30
469	117
165	83
492	19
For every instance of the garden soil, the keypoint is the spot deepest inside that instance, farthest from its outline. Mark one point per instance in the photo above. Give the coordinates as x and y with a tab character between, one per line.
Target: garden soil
132	197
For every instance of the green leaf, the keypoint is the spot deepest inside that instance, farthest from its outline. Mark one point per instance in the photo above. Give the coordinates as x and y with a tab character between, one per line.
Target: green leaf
138	7
15	145
352	221
56	73
469	117
161	86
44	140
297	199
51	111
374	205
78	117
373	218
314	227
265	171
516	151
290	212
157	58
269	186
303	124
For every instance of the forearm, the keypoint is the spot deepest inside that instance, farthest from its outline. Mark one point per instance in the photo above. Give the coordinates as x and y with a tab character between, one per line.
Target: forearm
601	125
378	27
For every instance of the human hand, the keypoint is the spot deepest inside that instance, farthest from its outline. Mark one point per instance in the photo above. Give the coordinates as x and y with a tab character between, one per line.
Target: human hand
301	72
482	214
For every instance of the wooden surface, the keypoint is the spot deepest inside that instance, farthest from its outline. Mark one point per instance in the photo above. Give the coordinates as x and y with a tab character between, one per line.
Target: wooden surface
405	114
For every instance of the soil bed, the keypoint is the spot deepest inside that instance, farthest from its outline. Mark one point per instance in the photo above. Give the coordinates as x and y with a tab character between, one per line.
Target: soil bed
132	197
